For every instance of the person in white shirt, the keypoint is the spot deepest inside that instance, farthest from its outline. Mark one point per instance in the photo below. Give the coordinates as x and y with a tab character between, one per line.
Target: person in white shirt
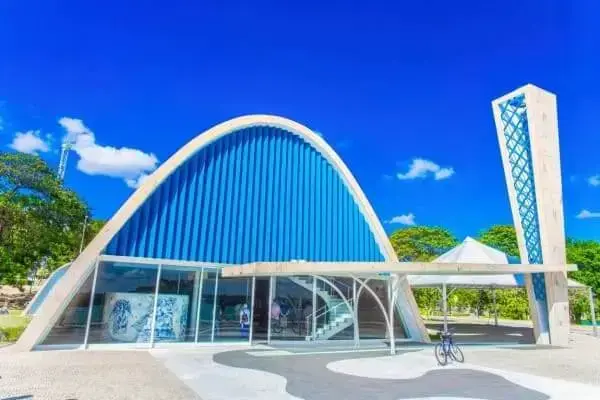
244	321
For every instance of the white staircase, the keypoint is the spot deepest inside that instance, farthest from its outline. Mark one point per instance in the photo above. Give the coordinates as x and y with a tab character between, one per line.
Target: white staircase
336	311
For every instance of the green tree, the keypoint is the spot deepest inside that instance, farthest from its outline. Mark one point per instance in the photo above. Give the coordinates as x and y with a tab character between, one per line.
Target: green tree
421	243
501	237
586	254
37	217
428	299
512	303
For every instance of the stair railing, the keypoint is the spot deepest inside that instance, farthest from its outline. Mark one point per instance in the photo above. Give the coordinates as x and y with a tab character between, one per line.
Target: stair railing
327	312
345	287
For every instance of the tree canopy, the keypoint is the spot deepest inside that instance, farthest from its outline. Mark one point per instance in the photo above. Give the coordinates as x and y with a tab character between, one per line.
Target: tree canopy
41	221
421	243
501	237
586	254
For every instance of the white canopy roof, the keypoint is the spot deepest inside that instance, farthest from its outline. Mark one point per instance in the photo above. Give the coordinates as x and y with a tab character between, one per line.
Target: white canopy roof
471	251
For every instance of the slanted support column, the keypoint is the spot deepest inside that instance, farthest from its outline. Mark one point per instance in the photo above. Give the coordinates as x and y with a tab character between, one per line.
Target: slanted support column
527	128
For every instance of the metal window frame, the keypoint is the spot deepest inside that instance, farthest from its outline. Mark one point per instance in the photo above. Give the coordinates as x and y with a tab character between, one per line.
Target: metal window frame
161	261
91	305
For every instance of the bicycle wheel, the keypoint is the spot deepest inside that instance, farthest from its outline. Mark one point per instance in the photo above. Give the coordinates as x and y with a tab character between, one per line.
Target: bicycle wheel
440	354
456	353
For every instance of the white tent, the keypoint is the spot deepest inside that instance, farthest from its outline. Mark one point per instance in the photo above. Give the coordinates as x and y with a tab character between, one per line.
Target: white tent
472	251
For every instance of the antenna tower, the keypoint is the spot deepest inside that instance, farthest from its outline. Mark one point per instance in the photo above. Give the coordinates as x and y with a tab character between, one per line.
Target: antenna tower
64	156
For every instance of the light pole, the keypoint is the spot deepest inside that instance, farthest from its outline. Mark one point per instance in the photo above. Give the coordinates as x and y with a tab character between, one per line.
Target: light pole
83	234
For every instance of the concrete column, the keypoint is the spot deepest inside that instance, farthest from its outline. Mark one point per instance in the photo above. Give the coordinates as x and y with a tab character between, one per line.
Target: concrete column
445	306
215	316
495	307
593	311
195	297
355	312
315	307
271	289
527	127
391	300
199	307
156	291
252	311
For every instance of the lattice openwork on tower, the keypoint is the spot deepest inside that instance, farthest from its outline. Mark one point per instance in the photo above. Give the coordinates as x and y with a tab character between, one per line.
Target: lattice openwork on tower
513	113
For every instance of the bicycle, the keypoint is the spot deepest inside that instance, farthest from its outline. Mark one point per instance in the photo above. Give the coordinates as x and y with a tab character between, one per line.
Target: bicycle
447	348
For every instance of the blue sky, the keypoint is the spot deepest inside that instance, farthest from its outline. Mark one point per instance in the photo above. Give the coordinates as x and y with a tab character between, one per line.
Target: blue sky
384	82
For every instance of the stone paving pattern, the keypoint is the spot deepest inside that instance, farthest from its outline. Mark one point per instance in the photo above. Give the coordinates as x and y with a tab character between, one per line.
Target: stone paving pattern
308	377
304	371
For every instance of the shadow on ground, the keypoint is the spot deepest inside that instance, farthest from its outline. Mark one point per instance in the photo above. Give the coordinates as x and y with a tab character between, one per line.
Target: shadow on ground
308	377
480	333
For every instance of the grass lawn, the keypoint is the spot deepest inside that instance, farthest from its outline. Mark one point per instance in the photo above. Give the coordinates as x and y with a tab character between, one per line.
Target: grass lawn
12	325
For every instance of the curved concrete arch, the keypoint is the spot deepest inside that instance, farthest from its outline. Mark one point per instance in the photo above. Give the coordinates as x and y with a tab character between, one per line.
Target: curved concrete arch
361	288
83	265
363	284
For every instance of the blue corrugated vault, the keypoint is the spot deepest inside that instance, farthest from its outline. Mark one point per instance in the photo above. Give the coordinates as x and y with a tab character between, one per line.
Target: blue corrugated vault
516	132
257	194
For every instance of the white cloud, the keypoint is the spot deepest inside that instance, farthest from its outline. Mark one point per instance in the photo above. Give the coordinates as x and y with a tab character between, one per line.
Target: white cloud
421	168
136	183
131	165
406	219
594	180
443	173
30	142
585	214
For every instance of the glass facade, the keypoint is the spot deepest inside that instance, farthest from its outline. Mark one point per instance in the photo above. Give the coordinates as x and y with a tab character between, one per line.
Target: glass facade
233	302
290	306
124	299
177	304
70	326
206	305
371	322
144	303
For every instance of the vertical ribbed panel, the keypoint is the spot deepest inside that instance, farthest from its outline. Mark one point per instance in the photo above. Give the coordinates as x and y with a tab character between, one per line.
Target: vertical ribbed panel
259	194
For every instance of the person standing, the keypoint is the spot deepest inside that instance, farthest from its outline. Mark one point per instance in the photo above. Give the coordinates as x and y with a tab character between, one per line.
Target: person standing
244	321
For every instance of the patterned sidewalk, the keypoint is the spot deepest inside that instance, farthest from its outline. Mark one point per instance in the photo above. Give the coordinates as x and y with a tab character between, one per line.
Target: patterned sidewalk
280	373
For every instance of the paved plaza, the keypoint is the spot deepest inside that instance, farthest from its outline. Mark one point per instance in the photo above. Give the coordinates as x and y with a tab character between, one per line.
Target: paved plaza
88	375
304	371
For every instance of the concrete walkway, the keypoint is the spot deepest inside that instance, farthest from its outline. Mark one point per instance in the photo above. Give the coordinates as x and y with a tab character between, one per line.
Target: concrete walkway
305	371
88	375
263	372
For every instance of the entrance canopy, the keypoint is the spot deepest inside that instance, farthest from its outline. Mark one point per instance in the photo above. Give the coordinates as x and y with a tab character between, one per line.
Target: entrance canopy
472	251
505	281
370	268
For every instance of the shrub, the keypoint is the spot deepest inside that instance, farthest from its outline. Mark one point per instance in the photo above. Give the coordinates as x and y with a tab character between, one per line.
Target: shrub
11	333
